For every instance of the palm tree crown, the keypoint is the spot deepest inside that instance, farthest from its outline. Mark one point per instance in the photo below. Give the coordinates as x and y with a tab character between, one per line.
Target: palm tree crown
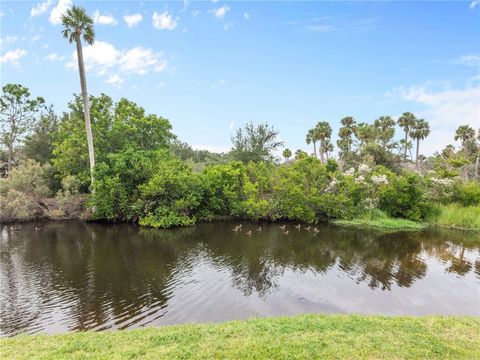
420	130
77	23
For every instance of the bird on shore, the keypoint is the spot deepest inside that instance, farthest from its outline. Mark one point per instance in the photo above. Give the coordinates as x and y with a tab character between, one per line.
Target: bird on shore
315	230
298	227
282	227
259	229
248	233
286	232
307	228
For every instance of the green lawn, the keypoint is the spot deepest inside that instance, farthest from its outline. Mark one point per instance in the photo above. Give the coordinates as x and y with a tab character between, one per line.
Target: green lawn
301	337
379	219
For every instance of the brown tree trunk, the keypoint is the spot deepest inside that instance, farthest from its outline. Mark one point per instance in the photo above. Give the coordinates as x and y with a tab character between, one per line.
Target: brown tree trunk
321	151
418	146
405	147
86	109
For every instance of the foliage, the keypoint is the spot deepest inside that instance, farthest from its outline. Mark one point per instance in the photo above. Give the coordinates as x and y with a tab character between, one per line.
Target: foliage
467	194
255	143
38	145
172	194
405	198
17	116
116	128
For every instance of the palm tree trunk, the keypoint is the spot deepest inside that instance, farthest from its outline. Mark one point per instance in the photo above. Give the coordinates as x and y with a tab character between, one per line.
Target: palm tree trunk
86	109
418	148
314	149
405	148
476	166
321	151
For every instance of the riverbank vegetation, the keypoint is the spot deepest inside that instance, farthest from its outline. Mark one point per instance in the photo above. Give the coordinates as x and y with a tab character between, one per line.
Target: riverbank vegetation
300	337
144	174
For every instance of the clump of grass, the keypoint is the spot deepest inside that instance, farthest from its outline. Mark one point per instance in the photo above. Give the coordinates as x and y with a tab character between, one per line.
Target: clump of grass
459	217
377	218
301	337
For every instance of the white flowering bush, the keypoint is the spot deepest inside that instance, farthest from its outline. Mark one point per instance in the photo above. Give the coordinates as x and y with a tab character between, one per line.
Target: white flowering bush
381	179
363	168
350	172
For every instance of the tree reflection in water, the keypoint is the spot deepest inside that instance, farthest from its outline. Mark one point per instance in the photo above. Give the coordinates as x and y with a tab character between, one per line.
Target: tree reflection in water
74	276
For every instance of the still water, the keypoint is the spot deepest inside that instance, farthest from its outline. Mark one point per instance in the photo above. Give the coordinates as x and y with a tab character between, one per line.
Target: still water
67	276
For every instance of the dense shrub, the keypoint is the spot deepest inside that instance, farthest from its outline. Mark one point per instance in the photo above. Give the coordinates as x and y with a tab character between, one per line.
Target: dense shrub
467	194
404	198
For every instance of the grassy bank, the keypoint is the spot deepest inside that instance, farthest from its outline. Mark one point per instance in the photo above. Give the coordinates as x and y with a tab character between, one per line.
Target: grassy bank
380	220
301	337
458	217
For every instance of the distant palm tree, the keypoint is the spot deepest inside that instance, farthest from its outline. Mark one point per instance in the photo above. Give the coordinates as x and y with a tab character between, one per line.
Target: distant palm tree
466	134
385	126
286	154
77	25
312	138
420	131
406	121
323	132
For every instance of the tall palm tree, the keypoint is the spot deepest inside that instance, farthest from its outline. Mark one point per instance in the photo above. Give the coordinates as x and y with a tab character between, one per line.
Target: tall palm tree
312	138
77	25
406	121
420	131
466	134
286	154
323	131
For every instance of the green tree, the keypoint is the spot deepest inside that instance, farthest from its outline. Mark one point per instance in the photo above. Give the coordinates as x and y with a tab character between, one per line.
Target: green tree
365	134
255	143
466	134
406	122
117	128
286	154
312	137
324	132
345	134
18	113
77	25
39	144
419	131
385	130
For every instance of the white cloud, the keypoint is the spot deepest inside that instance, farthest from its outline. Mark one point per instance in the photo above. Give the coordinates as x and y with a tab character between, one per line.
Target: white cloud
13	56
195	12
7	40
115	80
163	21
445	110
59	10
40	8
469	60
54	57
133	20
219	83
104	59
246	16
140	60
473	4
36	37
221	11
103	19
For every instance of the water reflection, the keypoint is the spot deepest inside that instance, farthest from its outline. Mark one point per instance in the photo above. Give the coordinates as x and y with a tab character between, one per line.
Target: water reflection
75	276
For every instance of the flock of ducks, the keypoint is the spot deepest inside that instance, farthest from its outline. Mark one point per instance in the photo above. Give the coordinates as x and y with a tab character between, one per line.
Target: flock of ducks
238	228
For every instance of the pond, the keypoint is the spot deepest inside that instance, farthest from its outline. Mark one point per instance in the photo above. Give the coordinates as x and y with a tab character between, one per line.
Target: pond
68	276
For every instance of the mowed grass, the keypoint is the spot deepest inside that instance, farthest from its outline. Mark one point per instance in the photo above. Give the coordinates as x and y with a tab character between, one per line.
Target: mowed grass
459	217
301	337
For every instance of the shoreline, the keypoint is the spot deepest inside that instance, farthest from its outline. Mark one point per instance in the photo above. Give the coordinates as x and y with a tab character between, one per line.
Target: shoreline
301	336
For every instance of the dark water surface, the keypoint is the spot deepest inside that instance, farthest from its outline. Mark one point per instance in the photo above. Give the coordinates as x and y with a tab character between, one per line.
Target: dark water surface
67	276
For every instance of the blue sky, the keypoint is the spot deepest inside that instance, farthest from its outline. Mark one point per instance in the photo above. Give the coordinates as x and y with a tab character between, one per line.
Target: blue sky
210	67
